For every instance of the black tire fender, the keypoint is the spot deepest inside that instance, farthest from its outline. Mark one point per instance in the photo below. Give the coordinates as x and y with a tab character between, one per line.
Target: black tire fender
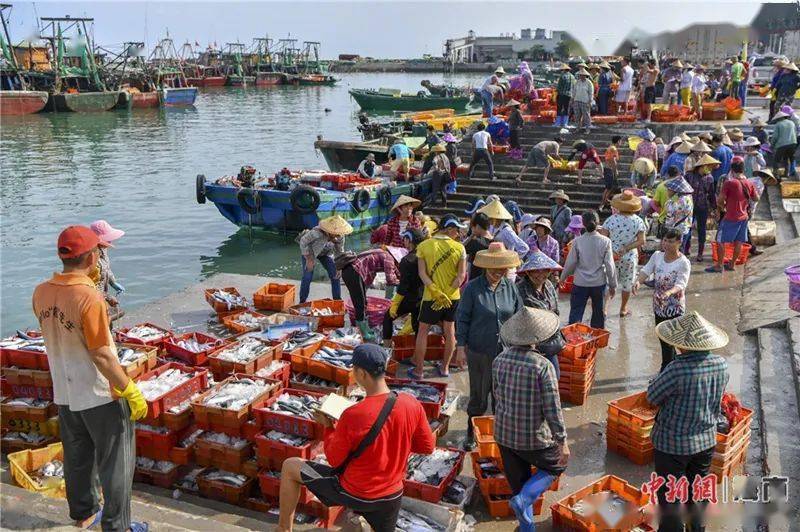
300	198
360	201
249	200
200	188
385	197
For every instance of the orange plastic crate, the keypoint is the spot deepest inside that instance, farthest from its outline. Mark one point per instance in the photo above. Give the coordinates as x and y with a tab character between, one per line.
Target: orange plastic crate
226	420
220	307
275	296
212	454
633	410
335	305
737	432
498	505
564	518
223	368
222	491
229	321
483	428
581	341
403	347
743	256
636	454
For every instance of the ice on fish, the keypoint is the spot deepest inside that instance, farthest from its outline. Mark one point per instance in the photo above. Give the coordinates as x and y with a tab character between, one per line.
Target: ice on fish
274	366
182	407
243	351
151	428
223	439
230	299
128	356
224	476
189	440
28	401
287	439
349	336
193	345
188	482
295	405
154	388
145	333
161	466
24	342
251	321
423	392
342	358
49	474
433	468
235	394
25	437
310	311
409	521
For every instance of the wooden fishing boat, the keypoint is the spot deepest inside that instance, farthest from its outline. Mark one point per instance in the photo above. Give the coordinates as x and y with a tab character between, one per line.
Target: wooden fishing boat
204	76
390	100
235	80
14	103
84	102
315	79
268	79
169	76
342	155
16	94
144	100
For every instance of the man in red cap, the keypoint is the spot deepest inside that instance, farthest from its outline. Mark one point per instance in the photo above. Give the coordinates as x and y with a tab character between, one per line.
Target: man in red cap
96	427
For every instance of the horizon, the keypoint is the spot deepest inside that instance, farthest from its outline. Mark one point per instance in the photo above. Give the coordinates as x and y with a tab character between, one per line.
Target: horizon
355	24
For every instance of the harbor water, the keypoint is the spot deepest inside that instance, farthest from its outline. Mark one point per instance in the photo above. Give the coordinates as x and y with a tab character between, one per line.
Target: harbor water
137	170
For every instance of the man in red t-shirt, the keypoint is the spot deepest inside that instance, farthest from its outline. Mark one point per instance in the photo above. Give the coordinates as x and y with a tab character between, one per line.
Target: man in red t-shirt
735	197
371	483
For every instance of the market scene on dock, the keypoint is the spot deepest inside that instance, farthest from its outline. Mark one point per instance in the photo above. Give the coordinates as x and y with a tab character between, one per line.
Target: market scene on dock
544	275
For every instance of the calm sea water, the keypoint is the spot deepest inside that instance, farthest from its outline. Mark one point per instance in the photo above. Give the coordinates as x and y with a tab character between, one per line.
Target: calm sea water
137	170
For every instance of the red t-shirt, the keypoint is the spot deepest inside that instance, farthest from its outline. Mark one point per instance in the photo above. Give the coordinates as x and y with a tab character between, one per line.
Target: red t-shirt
589	154
736	200
380	469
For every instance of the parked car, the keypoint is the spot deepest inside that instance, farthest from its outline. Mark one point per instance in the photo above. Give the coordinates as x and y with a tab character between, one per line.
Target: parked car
761	69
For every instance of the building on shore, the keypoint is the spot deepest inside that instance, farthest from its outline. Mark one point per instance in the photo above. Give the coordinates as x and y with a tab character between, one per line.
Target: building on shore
778	29
530	44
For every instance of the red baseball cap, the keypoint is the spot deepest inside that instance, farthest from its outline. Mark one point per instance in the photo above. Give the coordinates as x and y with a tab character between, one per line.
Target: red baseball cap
76	240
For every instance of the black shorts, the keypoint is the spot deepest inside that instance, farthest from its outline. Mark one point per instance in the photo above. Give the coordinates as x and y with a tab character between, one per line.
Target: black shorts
649	95
432	317
381	513
609	180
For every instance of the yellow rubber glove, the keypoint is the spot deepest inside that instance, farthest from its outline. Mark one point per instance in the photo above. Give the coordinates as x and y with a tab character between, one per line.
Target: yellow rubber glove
440	299
396	300
135	399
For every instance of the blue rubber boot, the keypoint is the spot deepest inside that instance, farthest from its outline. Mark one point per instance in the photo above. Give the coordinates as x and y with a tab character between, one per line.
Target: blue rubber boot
522	503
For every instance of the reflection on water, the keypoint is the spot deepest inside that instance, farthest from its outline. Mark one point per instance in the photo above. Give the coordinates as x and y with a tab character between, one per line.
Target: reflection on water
137	170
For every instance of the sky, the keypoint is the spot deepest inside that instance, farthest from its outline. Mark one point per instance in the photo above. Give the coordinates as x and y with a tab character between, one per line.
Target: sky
396	29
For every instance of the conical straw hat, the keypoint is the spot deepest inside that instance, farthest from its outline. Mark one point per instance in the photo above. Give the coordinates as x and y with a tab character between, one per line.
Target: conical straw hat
496	256
529	327
701	147
704	160
691	332
684	148
496	211
405	200
644	166
336	226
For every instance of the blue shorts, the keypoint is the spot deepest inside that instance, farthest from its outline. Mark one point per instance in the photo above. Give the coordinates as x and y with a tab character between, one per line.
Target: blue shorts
732	231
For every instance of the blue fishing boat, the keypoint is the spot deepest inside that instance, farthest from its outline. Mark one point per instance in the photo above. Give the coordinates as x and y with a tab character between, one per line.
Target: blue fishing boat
169	77
177	96
283	205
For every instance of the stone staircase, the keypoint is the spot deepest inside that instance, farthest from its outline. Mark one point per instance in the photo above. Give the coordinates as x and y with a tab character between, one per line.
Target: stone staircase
532	195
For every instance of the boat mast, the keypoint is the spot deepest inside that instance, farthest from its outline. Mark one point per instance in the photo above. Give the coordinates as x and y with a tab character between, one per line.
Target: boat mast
57	39
8	48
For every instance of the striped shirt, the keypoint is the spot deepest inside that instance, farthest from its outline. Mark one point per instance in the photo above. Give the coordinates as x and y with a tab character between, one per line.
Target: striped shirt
688	393
527	414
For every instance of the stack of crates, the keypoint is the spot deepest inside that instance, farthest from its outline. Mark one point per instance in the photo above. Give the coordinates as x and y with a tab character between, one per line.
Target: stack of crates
577	361
630	422
731	449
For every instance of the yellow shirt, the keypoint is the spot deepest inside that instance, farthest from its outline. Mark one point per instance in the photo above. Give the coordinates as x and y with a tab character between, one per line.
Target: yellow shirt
661	197
442	256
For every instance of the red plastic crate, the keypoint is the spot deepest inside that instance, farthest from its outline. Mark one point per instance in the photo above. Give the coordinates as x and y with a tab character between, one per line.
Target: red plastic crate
176	396
271	487
28	377
429	493
225	420
274	452
156	445
218	306
633	411
566	286
742	427
275	296
743	256
432	410
403	347
212	454
281	374
289	424
335	320
24	359
499	507
142	365
193	359
326	516
581	341
37	392
222	491
156	478
222	368
123	338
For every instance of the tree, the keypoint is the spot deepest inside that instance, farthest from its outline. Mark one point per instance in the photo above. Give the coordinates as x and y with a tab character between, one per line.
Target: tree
538	52
562	50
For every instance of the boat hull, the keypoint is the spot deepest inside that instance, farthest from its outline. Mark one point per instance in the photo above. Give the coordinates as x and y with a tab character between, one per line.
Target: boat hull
16	103
144	100
211	81
371	101
276	214
85	102
342	156
240	81
178	97
316	80
268	79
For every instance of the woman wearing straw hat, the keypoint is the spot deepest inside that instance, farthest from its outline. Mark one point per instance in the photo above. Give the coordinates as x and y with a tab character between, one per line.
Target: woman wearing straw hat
451	150
627	233
784	143
515	123
680	206
486	303
604	82
677	158
698	89
563	95
787	85
502	231
697	150
704	201
402	219
581	97
529	425
753	158
543	241
688	393
686	84
643	173
560	214
591	260
321	243
536	290
721	152
439	174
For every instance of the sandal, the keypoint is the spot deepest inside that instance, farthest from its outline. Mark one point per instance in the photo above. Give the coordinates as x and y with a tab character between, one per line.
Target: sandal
623	314
411	374
440	371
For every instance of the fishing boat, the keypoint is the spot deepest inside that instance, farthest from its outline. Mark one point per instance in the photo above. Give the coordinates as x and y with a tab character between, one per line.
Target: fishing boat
262	67
169	78
344	155
310	69
388	100
235	71
127	72
201	69
303	199
16	98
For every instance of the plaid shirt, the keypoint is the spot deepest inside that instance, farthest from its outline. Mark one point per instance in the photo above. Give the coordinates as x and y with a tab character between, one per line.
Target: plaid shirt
527	414
369	263
688	393
393	237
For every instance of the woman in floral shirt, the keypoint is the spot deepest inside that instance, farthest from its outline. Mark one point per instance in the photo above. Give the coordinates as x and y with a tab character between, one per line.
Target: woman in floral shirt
541	239
626	231
704	201
680	206
647	148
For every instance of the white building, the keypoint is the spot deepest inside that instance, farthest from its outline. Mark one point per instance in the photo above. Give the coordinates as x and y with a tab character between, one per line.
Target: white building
477	49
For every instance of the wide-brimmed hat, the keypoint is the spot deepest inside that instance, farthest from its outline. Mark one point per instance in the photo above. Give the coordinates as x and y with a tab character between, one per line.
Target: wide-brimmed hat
578	142
751	141
626	202
406	200
605	64
646	134
558	194
704	160
764	172
594	66
528	219
778	116
474	205
778	62
684	148
582	64
644	166
512	103
677	64
575	223
529	326
788	109
564	67
719	129
499	70
105	232
705	136
537	260
583	72
791	66
439	148
685	136
679	185
496	256
736	134
449	137
544	222
336	226
496	211
675	140
691	332
726	140
701	147
512	207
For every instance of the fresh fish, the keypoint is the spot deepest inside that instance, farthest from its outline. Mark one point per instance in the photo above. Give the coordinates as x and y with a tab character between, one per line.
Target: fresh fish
309	311
54	468
151	428
433	468
224	476
347	336
423	392
338	357
161	466
245	319
24	342
287	439
188	482
28	401
311	380
193	345
224	439
26	336
179	408
145	333
295	405
39	348
189	440
236	394
26	437
413	522
274	366
244	351
489	468
455	493
301	339
154	388
230	300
